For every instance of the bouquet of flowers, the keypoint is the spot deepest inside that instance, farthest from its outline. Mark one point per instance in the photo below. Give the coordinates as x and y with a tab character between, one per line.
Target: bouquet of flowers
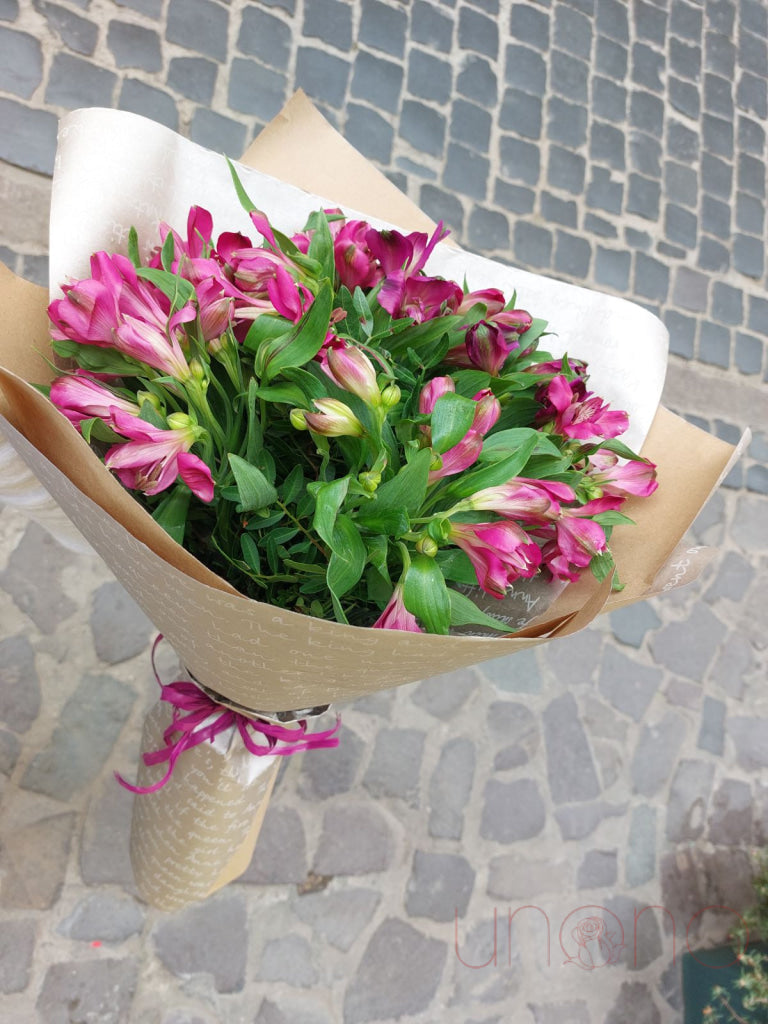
333	430
343	433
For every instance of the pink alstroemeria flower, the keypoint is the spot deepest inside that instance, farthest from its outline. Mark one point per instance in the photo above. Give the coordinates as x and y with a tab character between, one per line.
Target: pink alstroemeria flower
353	371
529	501
81	398
356	264
491	298
434	389
396	615
153	459
638	478
500	553
467	451
406	292
579	413
488	343
332	419
577	538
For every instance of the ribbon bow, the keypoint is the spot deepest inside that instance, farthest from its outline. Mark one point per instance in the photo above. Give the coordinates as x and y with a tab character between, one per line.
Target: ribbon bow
192	707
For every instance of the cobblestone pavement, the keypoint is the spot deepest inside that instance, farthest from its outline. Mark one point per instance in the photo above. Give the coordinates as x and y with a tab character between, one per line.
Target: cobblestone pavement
619	145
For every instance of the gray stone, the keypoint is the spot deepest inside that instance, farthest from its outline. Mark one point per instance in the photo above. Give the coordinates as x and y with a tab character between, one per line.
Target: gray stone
685	59
730	823
687	647
89	725
612	19
682	331
733	579
751	95
748	353
441	205
423	127
604	193
598	869
35	269
120	628
429	77
656	753
330	21
611	59
688	798
670	986
750	217
630	624
713	255
152	8
326	773
715	345
748	527
431	26
609	100
513	878
712	732
515	725
572	1012
264	36
643	197
514	197
103	917
19	683
692	878
450	787
207	939
193	77
609	760
570	769
484	946
573	32
642	934
96	990
757	479
684	695
606	144
519	160
581	820
287	1013
716	176
440	886
645	154
573	255
21	63
685	20
641	846
634	1002
143	99
382	27
134	46
289	959
76	33
470	125
73	82
517	673
748	255
748	737
478	33
280	854
104	857
356	840
17	946
33	862
716	217
9	748
559	211
477	81
9	10
569	76
32	579
566	170
751	136
681	183
395	765
488	230
526	69
750	178
254	89
512	811
218	133
629	686
398	974
521	113
533	245
338	917
680	225
612	268
198	25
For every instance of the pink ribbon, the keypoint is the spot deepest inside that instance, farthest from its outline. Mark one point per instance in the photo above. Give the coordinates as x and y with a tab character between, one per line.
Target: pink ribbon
191	707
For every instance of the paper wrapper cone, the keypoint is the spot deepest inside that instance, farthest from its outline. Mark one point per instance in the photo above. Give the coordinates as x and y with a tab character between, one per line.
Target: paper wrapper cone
254	654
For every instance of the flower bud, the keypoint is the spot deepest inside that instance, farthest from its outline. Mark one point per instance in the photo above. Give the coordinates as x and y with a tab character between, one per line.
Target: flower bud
298	422
370	481
425	545
179	421
148	396
353	371
390	396
197	370
333	419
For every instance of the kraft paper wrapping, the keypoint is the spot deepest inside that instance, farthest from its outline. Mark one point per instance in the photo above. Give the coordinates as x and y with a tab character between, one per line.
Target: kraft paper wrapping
260	656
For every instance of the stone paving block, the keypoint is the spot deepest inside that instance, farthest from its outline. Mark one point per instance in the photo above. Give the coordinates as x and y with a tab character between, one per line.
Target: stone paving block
477	81
17	946
73	83
322	777
656	753
751	136
382	27
690	291
573	255
748	353
152	8
598	869
750	175
280	855
514	198
581	820
688	647
104	855
609	100
688	800
429	25
628	685
356	840
559	211
198	25
684	97
645	154
603	192
680	225
512	811
377	80
120	628
643	197
521	113
611	59
640	864
9	10
99	990
730	823
286	1013
716	176
634	1002
369	133
209	939
748	737
32	578
572	32
612	268
713	256
429	77
87	729
134	46
533	245
519	160
682	331
560	1013
712	732
103	917
33	862
685	20
440	886
715	345
749	256
513	877
221	134
193	77
570	769
567	122
750	214
612	19
423	127
752	95
288	959
471	125
478	33
630	624
396	764
465	171
140	98
19	684
569	76
254	89
330	21
529	25
398	974
716	217
21	63
265	36
450	787
525	69
488	230
441	205
338	917
322	75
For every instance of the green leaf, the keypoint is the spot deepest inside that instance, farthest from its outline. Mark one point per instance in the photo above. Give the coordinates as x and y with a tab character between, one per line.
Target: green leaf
456	566
451	418
393	522
408	489
255	490
329	498
499	446
426	596
97	359
250	551
469	382
245	200
619	448
292	486
378	550
133	248
177	289
288	394
612	518
265	328
347	559
150	415
171	513
321	245
168	252
302	343
495	474
464	612
602	565
363	310
535	331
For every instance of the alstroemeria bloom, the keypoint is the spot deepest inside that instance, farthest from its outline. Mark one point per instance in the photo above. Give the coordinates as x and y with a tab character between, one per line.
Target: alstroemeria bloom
634	477
332	419
530	501
356	265
405	291
488	343
81	398
578	413
466	453
434	389
491	298
500	553
153	459
396	615
577	538
353	371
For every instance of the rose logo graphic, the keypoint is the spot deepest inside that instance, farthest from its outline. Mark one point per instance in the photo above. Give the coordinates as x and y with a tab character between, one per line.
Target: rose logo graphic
596	946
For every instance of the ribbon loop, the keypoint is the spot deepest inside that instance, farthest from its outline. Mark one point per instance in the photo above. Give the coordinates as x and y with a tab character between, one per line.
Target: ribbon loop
199	719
